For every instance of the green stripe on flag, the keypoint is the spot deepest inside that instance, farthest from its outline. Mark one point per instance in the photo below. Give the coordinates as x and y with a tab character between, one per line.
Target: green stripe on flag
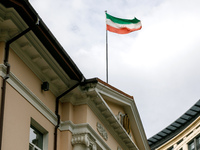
122	21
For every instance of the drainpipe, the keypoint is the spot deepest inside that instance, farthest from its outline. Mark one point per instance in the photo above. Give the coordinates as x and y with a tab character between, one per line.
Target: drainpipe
6	63
83	82
57	114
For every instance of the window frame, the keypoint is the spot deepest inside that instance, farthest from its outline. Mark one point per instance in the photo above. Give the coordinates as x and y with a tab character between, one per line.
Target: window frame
37	127
194	140
40	139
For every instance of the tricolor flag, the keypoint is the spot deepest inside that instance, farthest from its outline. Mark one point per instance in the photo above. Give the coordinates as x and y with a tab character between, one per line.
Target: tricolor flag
122	26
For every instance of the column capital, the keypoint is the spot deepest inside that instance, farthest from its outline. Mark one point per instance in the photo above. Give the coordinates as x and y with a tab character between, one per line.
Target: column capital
84	139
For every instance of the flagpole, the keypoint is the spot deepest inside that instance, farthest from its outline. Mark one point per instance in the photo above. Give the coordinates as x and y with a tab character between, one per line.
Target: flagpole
106	53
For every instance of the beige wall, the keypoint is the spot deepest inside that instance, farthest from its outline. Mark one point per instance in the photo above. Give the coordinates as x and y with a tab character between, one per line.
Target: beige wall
67	111
18	113
80	114
116	108
92	120
30	80
83	114
65	141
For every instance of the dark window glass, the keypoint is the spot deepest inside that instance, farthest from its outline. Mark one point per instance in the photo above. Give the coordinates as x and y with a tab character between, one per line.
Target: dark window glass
171	148
191	146
198	143
194	144
36	139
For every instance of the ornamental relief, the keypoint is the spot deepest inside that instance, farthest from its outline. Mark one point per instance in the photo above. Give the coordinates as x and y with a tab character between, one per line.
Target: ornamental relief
102	131
84	139
124	120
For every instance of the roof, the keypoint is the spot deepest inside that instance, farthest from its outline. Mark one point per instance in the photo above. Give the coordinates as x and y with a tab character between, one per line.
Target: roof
30	16
176	127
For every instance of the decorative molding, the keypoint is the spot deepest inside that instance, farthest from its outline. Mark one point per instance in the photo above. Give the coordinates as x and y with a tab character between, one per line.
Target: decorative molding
11	14
85	139
77	129
111	123
30	47
102	131
2	70
100	108
29	95
113	94
128	104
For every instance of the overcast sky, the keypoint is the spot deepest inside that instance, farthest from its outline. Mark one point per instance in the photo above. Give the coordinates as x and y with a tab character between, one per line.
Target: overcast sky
159	65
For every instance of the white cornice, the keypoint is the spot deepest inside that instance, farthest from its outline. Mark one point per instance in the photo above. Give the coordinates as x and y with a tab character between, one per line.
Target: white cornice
94	100
133	113
29	96
113	94
114	126
129	106
77	129
97	104
33	52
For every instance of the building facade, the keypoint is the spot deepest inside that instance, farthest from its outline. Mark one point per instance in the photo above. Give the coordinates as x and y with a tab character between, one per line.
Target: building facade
182	134
47	103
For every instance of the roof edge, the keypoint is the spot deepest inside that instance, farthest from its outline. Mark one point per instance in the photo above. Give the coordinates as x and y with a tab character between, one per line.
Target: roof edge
29	15
176	127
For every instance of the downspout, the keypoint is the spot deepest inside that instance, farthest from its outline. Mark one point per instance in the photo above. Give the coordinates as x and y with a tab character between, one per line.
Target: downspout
57	114
83	82
6	63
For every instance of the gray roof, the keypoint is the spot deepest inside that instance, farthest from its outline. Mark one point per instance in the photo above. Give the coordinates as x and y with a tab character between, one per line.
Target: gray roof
176	127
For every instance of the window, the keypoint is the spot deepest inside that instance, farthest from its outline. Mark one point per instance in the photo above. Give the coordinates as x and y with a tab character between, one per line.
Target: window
194	144
36	139
191	146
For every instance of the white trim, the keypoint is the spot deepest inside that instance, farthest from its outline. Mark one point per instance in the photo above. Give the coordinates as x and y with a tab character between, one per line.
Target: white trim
84	128
45	133
113	94
116	126
128	103
41	107
31	45
2	70
29	95
97	104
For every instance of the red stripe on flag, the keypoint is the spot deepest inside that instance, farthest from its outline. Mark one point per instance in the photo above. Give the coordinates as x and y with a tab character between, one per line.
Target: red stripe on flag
124	30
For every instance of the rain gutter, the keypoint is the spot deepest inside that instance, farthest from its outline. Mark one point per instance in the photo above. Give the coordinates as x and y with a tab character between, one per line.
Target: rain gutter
6	77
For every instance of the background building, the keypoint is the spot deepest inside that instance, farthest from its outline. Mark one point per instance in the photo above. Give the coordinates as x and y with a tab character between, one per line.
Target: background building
46	102
182	134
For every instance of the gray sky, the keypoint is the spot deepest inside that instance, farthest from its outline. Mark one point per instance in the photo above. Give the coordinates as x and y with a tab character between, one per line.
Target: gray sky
158	65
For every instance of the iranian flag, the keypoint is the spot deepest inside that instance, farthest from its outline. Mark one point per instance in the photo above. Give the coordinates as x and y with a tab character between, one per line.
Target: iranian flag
122	26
